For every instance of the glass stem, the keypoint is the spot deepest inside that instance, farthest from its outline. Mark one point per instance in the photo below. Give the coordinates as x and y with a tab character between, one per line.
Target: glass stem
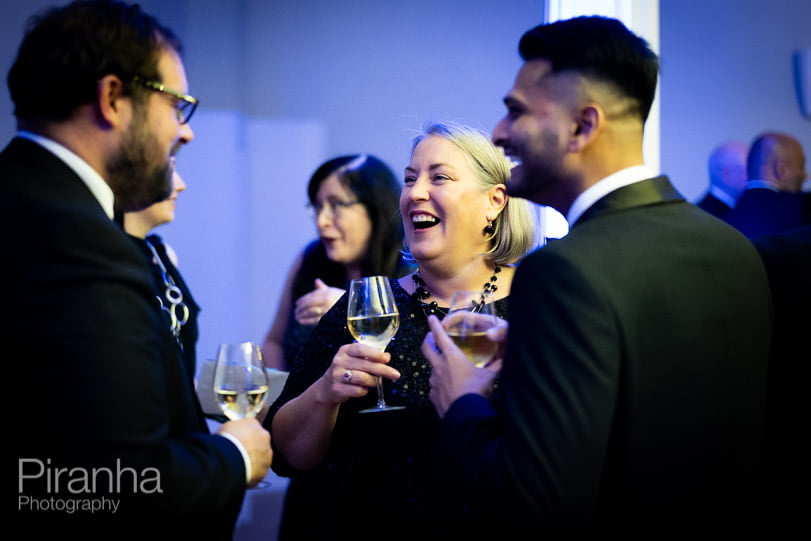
381	402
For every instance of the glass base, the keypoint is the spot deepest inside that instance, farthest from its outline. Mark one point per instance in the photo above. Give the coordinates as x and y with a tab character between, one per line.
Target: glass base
381	408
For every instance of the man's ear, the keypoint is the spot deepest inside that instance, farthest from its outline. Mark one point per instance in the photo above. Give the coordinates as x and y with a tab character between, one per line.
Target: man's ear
110	100
585	127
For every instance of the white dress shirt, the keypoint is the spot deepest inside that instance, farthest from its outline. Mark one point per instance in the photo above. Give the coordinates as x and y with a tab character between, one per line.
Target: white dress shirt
97	186
605	186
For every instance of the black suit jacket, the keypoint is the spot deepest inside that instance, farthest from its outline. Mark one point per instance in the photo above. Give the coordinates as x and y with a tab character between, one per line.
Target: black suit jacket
94	381
787	257
633	385
713	205
761	211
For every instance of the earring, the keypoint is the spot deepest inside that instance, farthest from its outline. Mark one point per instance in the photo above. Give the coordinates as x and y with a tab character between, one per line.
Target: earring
490	229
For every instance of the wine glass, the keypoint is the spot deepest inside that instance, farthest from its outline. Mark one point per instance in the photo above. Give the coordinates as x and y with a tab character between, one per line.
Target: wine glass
240	381
470	315
373	319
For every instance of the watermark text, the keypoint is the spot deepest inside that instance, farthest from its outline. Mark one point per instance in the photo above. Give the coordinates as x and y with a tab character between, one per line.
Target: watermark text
44	486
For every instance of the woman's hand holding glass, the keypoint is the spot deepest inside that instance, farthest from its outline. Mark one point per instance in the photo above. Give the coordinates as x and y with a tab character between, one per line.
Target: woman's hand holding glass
355	369
372	318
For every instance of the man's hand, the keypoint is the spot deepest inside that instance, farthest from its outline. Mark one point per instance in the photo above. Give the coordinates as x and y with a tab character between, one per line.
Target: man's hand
452	374
256	441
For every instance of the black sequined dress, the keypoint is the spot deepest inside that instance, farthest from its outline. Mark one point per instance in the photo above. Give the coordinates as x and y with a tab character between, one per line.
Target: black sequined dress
316	264
374	479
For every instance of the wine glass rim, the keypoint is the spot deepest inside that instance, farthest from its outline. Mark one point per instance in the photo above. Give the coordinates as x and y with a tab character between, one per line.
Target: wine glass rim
370	278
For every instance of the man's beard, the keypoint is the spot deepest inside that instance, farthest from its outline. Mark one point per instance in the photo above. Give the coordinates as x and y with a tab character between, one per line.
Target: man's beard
541	172
138	174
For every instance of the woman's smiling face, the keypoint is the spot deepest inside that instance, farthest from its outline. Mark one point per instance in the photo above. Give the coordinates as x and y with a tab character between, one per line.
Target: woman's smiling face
443	204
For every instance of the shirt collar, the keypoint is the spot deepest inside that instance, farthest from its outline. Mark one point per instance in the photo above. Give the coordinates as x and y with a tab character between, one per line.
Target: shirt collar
761	184
722	196
97	186
605	186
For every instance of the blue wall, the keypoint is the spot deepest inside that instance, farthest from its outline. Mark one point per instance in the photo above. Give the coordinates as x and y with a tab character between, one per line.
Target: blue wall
284	84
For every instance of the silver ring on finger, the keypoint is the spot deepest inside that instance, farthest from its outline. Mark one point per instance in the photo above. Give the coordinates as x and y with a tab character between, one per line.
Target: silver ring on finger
347	377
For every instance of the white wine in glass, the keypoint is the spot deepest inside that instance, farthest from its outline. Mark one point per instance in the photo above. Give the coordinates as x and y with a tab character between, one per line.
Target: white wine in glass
372	318
470	315
240	381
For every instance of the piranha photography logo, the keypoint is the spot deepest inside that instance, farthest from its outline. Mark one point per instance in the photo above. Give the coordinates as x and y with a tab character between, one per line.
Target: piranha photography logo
47	487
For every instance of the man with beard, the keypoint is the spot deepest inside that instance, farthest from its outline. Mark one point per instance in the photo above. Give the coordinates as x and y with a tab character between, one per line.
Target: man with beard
631	394
108	437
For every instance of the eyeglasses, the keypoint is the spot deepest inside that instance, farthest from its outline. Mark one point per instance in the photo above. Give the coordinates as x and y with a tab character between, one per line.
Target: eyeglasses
335	207
185	104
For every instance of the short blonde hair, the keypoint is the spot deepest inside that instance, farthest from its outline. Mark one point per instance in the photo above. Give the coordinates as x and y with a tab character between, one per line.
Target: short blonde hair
515	227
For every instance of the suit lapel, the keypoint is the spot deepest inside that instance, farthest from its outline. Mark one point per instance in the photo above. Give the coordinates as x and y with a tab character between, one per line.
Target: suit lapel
56	177
646	192
52	174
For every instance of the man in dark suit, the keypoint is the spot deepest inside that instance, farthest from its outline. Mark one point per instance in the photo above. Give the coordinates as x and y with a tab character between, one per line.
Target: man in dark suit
631	393
727	171
787	257
772	200
106	433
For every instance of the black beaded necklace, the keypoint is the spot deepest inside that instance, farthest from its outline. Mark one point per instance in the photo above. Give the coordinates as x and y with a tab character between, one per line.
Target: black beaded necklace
421	293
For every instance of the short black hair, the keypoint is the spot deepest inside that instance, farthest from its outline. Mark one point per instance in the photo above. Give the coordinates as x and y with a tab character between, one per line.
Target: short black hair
67	49
601	48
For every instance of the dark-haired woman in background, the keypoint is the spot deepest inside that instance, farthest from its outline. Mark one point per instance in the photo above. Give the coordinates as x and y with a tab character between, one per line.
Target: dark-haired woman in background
354	202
